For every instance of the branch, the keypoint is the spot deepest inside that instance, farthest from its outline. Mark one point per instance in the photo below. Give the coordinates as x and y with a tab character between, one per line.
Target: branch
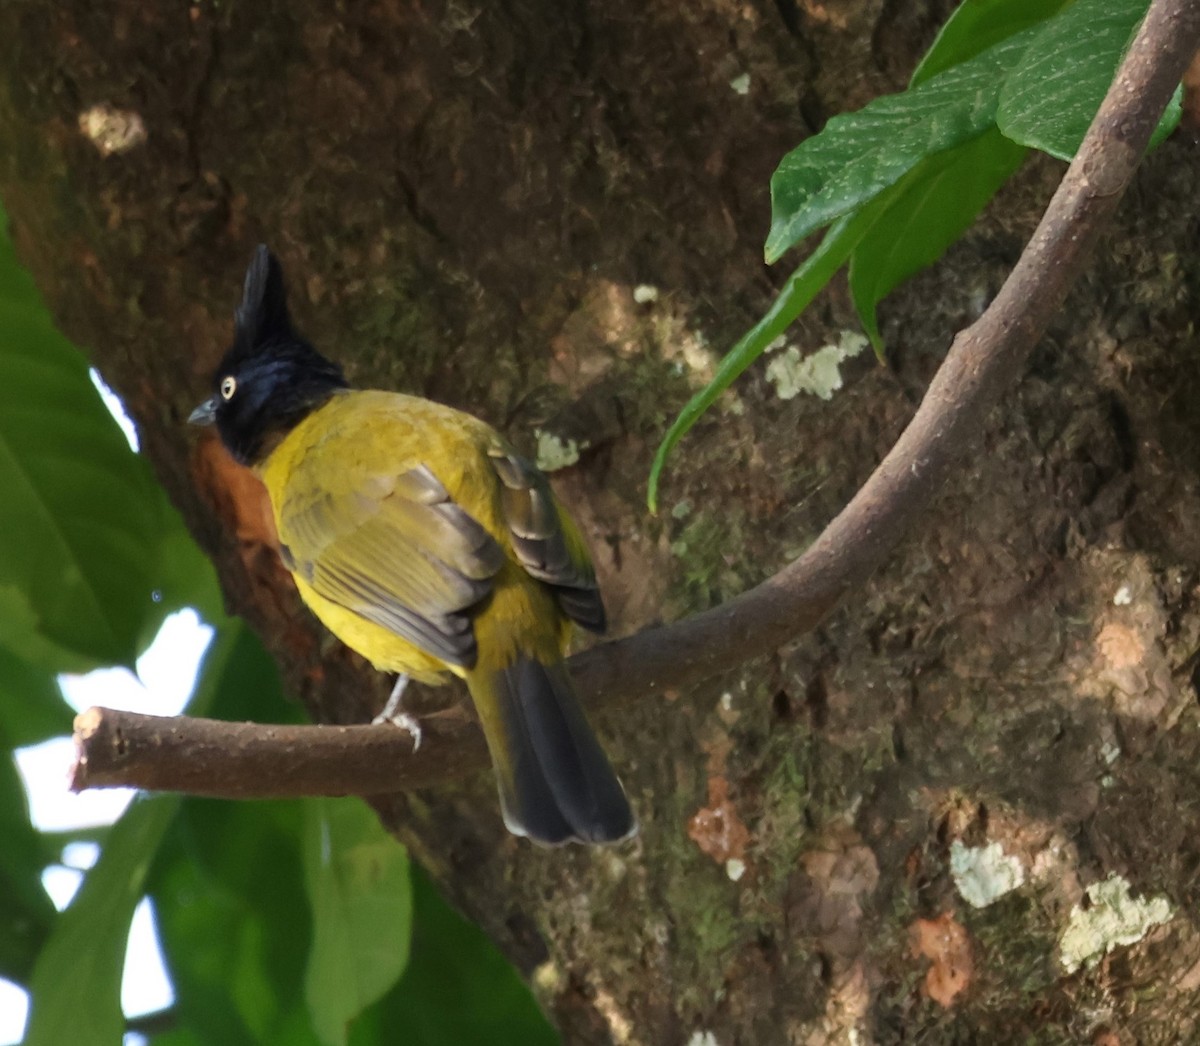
982	363
984	360
225	760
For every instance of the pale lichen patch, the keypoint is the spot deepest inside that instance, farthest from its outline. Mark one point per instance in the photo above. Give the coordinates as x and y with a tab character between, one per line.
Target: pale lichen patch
618	1024
818	374
1113	918
984	874
112	130
548	978
554	452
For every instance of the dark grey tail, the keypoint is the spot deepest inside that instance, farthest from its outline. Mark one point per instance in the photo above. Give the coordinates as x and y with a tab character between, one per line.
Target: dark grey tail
556	784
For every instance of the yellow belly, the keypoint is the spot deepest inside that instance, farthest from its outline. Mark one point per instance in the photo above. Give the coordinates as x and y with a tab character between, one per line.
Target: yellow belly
384	649
511	622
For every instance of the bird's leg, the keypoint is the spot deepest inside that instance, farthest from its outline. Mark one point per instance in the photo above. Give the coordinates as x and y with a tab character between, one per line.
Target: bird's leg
395	702
393	712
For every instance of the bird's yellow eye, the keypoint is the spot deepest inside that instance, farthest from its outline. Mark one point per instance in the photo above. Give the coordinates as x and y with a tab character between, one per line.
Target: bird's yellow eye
228	387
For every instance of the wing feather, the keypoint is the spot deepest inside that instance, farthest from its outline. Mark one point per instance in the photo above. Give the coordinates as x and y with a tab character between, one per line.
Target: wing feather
546	542
400	553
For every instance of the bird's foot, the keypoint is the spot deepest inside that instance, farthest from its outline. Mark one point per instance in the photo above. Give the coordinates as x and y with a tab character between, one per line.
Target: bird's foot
409	722
393	712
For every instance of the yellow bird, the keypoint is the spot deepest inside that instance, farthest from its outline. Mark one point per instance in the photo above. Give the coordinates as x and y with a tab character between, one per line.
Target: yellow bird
423	541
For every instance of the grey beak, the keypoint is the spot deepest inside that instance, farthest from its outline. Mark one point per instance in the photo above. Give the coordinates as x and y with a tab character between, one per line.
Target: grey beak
205	414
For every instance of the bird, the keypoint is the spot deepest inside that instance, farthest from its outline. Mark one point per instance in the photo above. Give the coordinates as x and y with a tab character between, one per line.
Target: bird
421	539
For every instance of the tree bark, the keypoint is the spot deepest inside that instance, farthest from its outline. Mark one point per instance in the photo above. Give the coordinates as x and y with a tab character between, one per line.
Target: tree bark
465	199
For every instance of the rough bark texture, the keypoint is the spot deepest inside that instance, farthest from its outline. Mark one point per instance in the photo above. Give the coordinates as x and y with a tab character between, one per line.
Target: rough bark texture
466	197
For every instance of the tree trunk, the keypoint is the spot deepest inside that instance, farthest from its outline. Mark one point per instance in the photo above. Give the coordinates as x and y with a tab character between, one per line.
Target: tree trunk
466	198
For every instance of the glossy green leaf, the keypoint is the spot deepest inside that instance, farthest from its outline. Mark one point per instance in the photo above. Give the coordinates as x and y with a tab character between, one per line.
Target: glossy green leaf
79	509
802	286
941	200
357	878
248	684
183	577
26	914
236	866
32	708
179	1036
859	155
457	989
1170	119
20	630
938	138
977	25
1049	99
76	986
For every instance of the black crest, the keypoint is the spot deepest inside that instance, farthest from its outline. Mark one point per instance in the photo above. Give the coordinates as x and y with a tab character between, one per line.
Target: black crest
271	378
262	318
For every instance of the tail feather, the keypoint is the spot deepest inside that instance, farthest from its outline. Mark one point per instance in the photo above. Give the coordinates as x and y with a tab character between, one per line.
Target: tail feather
556	784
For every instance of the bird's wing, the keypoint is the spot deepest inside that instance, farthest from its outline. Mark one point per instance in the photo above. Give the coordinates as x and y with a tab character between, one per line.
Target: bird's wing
398	551
546	541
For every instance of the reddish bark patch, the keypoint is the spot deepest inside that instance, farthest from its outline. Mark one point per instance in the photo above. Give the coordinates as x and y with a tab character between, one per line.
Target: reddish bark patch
717	829
948	947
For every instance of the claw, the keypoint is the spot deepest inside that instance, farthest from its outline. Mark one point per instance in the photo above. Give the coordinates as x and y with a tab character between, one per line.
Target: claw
393	712
408	722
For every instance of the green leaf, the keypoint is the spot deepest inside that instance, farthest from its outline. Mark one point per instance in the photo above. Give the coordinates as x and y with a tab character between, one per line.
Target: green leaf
940	201
250	687
1170	119
358	886
236	866
32	708
187	577
20	631
977	25
179	1037
859	155
1049	99
183	577
802	286
26	913
903	176
457	989
77	584
76	986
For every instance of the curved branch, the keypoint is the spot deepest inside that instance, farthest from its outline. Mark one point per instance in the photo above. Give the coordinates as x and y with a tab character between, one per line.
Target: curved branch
982	362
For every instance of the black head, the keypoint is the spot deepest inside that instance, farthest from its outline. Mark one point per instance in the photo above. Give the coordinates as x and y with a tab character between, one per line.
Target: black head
270	378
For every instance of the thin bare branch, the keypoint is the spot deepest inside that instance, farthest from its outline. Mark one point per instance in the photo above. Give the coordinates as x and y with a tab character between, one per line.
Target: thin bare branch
211	757
984	360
